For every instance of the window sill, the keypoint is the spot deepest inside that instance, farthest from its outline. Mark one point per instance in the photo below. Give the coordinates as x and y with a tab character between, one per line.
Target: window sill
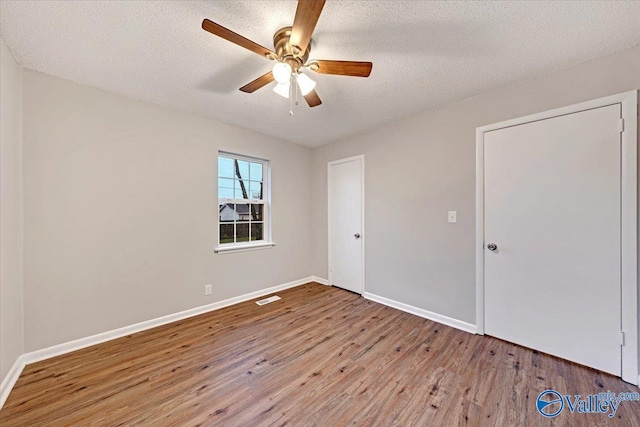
242	248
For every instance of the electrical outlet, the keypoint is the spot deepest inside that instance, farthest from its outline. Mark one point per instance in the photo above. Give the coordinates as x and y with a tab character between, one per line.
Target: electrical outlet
453	216
208	289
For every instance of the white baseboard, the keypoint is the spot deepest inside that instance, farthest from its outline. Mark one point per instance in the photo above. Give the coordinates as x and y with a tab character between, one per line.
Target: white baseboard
445	320
59	349
10	380
321	280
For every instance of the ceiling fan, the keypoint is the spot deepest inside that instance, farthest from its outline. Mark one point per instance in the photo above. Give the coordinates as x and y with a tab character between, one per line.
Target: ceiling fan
291	55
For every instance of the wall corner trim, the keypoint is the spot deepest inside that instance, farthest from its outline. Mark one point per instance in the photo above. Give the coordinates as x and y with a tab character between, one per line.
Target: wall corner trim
10	380
440	318
320	280
57	350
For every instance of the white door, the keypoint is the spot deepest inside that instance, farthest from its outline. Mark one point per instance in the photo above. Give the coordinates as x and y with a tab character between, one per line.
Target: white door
552	209
346	231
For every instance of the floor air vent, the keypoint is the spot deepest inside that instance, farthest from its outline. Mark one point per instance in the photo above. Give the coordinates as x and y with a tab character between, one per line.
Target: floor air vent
268	300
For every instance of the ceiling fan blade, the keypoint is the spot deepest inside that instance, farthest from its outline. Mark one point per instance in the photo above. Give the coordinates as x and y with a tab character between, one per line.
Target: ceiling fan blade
307	14
265	79
342	68
227	34
312	98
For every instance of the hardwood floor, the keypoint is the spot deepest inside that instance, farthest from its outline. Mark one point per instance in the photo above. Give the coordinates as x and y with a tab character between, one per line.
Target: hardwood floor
319	356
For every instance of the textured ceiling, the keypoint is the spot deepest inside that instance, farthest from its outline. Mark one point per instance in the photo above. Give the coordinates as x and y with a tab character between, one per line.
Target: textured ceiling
425	54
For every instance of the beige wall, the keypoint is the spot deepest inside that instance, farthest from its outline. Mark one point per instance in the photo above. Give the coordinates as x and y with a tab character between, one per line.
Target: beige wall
422	167
120	212
11	332
119	200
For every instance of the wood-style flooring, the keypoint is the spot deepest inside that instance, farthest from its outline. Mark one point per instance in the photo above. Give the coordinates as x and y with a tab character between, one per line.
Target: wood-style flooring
319	356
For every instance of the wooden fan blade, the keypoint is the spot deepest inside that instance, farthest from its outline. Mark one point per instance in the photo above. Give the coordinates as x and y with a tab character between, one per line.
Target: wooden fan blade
342	68
307	14
265	79
312	99
227	34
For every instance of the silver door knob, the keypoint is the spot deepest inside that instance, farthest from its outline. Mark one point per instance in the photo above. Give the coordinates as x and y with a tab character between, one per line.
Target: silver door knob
492	246
357	235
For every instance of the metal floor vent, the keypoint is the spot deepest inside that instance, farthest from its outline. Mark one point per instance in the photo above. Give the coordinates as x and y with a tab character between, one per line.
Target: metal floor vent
268	300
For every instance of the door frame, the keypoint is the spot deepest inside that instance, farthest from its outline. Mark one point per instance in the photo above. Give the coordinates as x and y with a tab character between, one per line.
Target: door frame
629	217
363	234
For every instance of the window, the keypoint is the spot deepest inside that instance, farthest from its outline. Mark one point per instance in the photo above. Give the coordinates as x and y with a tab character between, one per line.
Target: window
243	202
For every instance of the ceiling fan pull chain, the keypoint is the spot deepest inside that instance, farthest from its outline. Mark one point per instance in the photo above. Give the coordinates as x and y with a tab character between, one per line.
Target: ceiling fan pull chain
291	95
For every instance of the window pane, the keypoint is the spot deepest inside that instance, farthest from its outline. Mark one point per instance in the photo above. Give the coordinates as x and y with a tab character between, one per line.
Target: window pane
242	212
241	189
225	188
256	212
225	167
226	233
227	212
255	190
256	172
242	232
243	168
256	231
242	181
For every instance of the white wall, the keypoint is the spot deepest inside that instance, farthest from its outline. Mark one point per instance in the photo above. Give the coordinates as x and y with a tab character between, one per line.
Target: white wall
120	211
423	166
11	331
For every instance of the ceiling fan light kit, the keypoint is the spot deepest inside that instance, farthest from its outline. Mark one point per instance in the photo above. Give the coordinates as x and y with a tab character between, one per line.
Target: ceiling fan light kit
305	83
281	72
282	89
292	46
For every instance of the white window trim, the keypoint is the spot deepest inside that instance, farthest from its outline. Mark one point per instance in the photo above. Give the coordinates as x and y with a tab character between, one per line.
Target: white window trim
267	241
243	247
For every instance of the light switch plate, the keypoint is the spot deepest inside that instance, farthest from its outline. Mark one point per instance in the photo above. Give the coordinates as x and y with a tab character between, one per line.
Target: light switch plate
453	216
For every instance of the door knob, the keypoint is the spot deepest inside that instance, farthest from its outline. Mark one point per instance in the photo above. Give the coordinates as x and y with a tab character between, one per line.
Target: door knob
357	235
492	246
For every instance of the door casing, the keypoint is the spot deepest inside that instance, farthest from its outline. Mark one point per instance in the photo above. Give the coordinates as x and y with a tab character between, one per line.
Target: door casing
363	234
629	217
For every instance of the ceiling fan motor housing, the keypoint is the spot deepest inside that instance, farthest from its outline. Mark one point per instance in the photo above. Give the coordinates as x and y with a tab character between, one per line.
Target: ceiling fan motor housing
288	53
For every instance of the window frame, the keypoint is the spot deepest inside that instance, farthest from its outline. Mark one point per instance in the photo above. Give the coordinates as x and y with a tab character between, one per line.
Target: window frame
266	241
